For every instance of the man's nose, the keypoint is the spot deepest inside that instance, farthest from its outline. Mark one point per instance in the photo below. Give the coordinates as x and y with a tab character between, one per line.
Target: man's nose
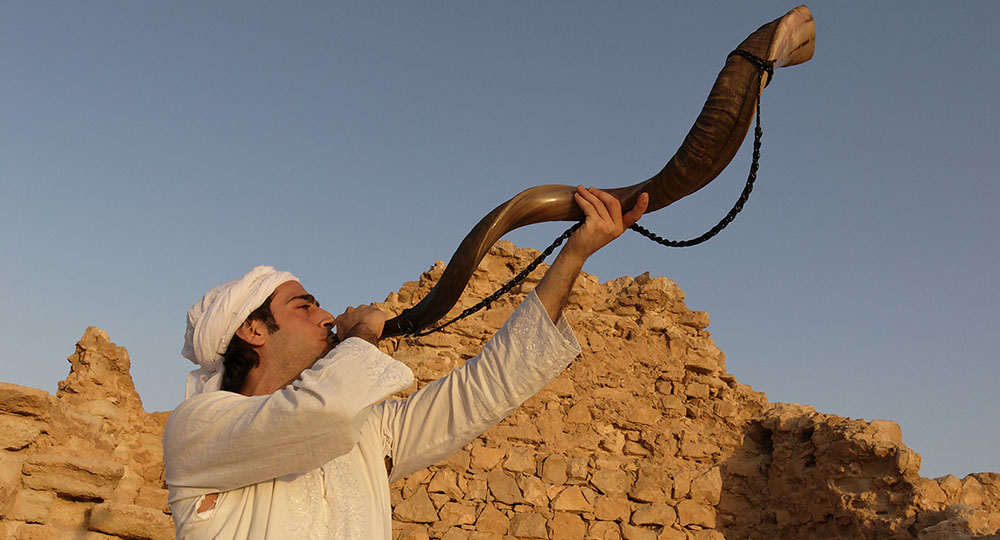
327	320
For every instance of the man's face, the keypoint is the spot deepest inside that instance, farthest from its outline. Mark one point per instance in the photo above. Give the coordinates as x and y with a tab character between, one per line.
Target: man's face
303	329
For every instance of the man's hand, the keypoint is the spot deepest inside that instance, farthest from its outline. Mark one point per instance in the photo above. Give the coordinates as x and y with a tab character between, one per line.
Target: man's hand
604	222
365	322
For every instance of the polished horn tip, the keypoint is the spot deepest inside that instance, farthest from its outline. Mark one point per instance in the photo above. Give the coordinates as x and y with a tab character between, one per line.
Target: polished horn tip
795	38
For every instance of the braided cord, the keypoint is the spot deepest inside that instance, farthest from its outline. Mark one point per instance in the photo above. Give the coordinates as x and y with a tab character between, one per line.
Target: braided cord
485	303
765	66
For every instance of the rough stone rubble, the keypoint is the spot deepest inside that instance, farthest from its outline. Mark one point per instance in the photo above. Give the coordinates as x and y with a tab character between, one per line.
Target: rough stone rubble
644	437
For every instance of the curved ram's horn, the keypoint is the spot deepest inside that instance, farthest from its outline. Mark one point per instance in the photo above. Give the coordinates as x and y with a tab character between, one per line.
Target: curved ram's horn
709	146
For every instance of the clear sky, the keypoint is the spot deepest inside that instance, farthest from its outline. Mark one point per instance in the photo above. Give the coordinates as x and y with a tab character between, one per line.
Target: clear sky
150	151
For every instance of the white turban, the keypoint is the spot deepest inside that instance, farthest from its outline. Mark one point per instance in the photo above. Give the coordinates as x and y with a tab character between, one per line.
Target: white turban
212	322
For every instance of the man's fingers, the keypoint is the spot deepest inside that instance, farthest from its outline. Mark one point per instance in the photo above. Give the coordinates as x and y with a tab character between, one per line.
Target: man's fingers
637	211
611	204
586	200
596	206
584	204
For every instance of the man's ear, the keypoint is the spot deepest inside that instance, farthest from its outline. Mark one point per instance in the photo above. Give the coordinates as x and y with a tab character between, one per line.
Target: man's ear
252	332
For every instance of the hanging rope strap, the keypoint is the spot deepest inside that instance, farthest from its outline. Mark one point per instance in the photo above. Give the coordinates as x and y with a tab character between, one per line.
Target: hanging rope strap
485	303
764	66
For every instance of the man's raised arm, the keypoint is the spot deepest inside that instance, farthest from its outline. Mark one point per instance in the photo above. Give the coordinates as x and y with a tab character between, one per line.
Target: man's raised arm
604	222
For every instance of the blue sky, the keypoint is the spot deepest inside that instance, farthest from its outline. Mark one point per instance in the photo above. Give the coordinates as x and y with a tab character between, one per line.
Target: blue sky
150	151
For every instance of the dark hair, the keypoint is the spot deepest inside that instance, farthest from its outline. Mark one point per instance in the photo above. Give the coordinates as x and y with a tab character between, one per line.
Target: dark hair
240	357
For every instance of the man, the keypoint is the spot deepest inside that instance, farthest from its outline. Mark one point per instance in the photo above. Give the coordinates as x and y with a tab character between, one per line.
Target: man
302	444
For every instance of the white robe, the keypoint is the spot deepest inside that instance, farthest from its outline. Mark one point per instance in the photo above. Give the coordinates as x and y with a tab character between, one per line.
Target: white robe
308	461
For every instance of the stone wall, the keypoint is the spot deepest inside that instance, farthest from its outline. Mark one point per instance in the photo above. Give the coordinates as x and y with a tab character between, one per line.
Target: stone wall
645	436
87	463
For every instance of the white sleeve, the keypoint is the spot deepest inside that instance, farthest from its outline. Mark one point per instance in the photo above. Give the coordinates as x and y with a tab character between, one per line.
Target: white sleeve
520	359
223	441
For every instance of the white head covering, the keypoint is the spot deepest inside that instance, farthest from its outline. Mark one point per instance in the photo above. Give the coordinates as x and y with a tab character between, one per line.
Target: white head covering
212	322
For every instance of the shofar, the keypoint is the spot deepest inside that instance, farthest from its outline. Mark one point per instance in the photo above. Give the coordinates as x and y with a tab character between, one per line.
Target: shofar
708	148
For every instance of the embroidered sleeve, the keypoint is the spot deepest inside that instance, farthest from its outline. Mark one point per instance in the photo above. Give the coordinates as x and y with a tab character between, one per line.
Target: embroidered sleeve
445	415
222	441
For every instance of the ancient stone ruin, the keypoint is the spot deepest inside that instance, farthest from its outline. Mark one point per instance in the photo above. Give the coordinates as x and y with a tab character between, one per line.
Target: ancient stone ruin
644	437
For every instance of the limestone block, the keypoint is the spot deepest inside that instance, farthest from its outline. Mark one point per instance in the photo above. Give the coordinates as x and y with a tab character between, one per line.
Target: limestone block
604	530
673	405
707	487
645	415
416	508
457	513
612	508
693	447
533	490
579	413
477	490
152	497
459	461
577	468
503	487
16	432
884	430
697	390
445	481
10	479
492	520
787	417
726	409
574	499
669	533
413	482
631	532
72	476
611	481
655	322
456	533
30	505
705	534
652	485
705	361
70	514
520	460
410	531
695	319
131	521
562	385
691	512
633	448
487	458
654	514
439	499
976	518
567	526
477	535
929	493
25	401
554	469
950	484
613	442
972	492
527	525
34	531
